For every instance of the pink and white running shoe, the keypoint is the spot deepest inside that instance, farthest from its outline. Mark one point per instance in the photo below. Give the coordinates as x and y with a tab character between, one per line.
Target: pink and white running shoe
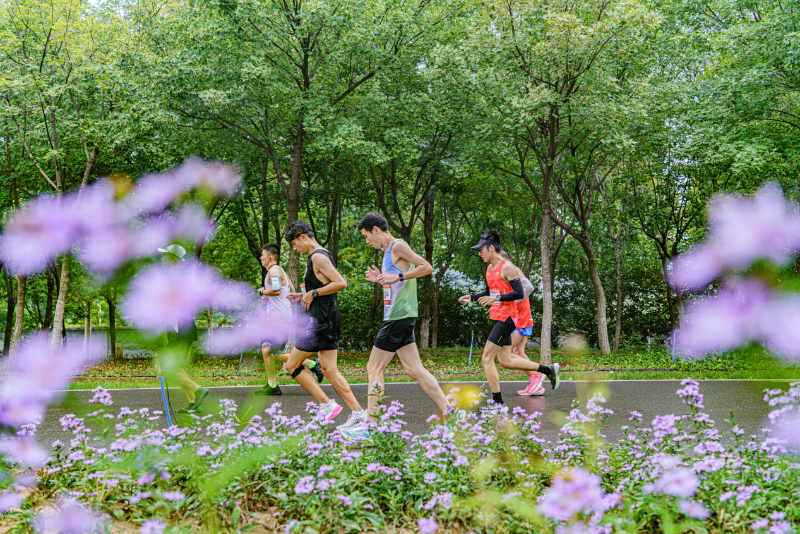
534	386
330	410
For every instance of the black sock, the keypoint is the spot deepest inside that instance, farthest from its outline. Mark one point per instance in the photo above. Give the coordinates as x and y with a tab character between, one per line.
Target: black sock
545	370
497	398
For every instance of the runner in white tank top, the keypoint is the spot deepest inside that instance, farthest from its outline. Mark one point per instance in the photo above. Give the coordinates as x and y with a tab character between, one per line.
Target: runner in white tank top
274	294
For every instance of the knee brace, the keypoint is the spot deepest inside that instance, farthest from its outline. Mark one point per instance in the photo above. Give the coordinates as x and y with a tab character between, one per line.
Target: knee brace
297	371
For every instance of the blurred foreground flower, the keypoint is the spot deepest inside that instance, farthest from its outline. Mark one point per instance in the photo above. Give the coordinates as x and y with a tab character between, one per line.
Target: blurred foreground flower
573	491
168	296
71	518
741	231
746	308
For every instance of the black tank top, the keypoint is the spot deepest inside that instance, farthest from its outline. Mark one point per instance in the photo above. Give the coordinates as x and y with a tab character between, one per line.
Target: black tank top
325	308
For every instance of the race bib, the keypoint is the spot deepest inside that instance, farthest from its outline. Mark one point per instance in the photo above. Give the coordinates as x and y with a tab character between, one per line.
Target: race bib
303	289
387	294
494	295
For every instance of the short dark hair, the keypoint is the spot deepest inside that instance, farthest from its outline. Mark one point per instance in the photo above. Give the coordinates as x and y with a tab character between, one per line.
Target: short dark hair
494	238
272	250
371	220
297	228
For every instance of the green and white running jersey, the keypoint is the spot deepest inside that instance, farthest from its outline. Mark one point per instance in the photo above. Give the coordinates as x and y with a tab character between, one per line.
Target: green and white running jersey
400	298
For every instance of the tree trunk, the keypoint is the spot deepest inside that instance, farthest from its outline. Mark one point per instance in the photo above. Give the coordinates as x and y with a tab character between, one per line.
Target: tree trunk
545	355
670	304
10	304
600	296
425	320
19	315
48	309
87	325
293	200
61	303
112	323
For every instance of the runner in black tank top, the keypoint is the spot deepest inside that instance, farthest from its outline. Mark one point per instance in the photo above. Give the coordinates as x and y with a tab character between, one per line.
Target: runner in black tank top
322	332
318	328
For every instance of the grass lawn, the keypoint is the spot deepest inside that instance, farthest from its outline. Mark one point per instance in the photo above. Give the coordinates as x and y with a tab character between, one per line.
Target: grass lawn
450	365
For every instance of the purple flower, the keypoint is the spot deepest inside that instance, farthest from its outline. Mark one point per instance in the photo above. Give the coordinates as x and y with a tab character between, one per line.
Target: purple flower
152	526
759	523
741	230
304	486
680	482
256	327
694	509
174	496
427	526
9	501
780	527
430	477
102	396
24	451
38	233
71	518
345	500
165	297
146	479
572	492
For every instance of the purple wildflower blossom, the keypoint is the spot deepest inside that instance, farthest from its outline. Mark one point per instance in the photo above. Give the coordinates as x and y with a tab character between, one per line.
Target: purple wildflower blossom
164	297
153	526
9	501
759	523
430	477
25	451
71	518
304	486
573	491
427	526
680	482
174	496
694	509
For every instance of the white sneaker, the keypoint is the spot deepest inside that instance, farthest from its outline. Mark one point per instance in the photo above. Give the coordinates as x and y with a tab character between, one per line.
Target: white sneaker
353	420
330	410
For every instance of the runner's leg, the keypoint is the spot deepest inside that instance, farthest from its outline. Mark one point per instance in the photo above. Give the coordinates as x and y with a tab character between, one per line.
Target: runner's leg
378	360
489	367
269	366
327	359
188	385
509	360
409	357
518	342
306	379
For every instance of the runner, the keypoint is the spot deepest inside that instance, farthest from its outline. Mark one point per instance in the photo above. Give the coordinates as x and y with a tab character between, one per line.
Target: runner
321	333
275	295
503	286
399	271
524	329
176	347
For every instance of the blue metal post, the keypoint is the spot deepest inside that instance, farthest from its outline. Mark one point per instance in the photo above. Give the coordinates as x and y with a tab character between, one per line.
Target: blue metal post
673	347
470	349
164	397
240	362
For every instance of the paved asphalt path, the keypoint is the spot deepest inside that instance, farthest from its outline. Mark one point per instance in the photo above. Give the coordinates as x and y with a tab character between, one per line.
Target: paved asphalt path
651	398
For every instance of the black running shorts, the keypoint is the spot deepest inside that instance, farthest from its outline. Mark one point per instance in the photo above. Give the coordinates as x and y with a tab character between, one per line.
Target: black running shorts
396	334
501	332
319	336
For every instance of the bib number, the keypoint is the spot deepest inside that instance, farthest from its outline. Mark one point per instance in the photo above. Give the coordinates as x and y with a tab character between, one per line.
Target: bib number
387	294
494	295
303	289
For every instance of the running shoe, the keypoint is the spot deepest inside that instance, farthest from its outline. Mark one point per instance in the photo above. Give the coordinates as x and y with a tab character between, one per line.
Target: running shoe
355	419
330	410
361	432
555	379
534	384
317	370
200	395
269	390
456	416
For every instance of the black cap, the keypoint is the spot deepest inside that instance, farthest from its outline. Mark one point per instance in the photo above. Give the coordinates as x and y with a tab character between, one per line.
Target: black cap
484	243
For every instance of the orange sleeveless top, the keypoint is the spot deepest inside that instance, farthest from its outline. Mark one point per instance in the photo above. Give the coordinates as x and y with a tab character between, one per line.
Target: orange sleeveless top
500	311
524	317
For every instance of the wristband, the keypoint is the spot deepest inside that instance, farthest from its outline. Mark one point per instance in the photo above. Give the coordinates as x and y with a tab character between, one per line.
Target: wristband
314	293
401	276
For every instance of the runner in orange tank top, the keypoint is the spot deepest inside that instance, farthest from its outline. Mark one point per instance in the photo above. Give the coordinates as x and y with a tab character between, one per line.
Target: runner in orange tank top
519	339
503	288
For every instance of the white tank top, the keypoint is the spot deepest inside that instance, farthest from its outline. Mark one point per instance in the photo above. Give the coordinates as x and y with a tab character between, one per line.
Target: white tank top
279	306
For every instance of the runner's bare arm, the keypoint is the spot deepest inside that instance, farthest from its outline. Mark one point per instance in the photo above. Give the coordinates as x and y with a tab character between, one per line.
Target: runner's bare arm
404	252
267	292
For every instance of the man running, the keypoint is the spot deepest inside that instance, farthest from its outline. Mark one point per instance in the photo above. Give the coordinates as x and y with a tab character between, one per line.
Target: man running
275	295
176	347
400	268
503	287
519	338
320	329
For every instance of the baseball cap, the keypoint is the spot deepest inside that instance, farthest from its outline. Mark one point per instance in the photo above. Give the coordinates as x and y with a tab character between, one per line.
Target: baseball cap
175	250
488	238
